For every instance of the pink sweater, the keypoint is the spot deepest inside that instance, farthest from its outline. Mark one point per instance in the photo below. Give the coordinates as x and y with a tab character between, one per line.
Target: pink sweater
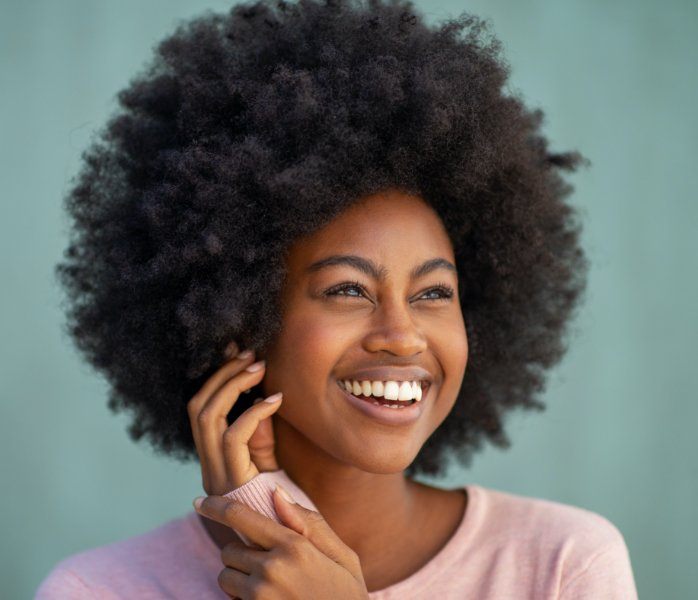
506	546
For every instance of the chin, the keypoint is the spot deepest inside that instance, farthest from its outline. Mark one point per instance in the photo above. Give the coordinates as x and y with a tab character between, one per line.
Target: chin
382	463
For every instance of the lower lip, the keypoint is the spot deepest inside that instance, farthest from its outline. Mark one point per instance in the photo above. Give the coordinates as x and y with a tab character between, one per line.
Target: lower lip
385	414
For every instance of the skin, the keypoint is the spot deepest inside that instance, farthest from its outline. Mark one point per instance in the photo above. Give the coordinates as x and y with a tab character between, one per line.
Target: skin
348	464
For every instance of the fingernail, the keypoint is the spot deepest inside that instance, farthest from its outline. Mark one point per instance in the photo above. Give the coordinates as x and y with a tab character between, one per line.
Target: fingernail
274	397
245	354
198	501
258	400
284	494
231	350
255	366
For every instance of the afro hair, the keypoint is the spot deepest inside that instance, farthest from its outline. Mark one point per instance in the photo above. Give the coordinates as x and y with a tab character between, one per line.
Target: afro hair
249	129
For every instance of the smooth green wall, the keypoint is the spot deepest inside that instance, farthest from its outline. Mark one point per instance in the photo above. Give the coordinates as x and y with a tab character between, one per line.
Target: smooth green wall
617	80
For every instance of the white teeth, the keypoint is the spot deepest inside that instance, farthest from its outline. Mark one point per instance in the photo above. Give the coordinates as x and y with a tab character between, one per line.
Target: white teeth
390	390
405	392
377	388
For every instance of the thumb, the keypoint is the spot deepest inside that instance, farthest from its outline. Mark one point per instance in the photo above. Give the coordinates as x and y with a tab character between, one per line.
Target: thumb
312	525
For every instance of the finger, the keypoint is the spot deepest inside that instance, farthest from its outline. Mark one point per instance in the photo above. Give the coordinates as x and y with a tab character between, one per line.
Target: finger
196	403
262	445
212	423
213	383
313	526
222	400
241	557
235	441
235	584
256	527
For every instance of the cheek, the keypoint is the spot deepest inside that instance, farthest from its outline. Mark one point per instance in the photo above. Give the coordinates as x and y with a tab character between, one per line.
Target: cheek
306	352
310	339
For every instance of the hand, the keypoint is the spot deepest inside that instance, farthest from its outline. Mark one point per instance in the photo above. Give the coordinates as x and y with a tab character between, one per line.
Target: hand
232	455
301	558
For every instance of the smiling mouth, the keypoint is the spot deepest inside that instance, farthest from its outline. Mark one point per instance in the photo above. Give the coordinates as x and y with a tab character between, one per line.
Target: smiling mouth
376	394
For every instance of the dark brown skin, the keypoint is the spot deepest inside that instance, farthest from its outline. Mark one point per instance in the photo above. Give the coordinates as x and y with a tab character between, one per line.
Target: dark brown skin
348	464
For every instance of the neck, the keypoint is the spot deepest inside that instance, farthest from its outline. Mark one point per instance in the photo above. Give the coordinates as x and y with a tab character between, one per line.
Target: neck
366	510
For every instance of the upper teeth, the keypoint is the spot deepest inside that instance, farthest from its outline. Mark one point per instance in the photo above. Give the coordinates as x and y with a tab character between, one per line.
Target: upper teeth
390	390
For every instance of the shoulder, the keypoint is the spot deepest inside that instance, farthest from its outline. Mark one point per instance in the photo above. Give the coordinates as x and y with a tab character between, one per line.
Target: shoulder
115	566
547	521
583	551
61	582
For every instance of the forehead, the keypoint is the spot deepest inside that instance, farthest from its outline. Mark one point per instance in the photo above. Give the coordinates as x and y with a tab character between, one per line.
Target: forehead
392	228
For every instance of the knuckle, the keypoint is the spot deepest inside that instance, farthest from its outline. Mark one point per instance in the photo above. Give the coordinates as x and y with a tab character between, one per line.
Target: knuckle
205	416
232	386
290	537
229	552
192	406
297	548
202	418
261	590
315	518
271	567
229	437
224	579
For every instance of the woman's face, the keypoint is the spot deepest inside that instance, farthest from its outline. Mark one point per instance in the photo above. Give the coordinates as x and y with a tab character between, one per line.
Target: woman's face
396	323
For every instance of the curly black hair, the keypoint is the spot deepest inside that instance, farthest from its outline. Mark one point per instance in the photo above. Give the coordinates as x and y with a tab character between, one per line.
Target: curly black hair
252	128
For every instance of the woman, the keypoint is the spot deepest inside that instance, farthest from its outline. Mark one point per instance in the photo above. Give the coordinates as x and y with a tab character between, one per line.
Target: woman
335	207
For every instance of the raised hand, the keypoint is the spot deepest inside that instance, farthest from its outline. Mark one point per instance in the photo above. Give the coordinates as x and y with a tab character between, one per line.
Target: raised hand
300	558
231	455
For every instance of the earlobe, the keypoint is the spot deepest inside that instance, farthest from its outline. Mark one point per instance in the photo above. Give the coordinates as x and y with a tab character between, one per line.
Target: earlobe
231	350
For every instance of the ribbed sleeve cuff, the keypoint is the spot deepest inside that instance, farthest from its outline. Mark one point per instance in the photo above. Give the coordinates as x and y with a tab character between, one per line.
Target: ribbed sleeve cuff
258	492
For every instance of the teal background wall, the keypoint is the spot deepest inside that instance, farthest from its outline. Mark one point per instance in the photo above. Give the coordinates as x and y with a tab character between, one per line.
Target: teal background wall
617	80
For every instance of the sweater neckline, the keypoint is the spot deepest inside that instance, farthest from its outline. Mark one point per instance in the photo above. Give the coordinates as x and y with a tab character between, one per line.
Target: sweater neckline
418	581
415	582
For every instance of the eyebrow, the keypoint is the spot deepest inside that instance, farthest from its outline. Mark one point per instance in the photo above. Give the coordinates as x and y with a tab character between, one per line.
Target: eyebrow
368	267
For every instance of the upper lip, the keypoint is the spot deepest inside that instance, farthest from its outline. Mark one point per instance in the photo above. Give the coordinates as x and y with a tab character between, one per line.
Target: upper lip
390	374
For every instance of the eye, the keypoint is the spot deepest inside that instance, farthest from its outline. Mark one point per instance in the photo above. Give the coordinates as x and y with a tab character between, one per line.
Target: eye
341	289
443	291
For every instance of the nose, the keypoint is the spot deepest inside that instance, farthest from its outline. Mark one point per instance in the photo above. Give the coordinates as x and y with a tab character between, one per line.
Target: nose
393	330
